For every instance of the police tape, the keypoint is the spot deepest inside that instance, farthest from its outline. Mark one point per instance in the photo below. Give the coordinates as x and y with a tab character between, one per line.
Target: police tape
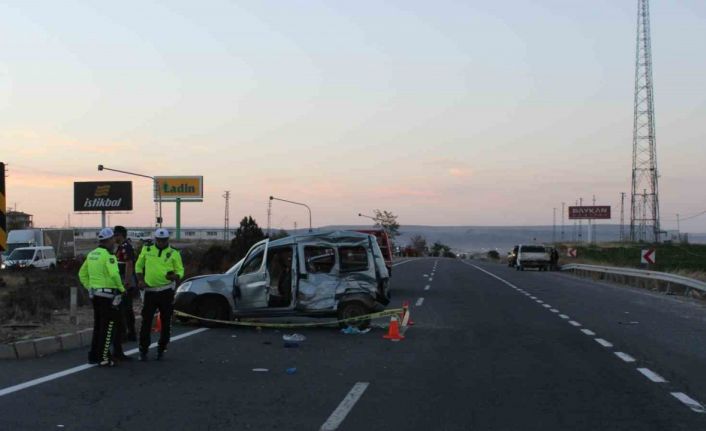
387	313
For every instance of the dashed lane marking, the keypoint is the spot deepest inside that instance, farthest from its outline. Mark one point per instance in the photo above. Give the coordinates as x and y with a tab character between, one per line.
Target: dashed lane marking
427	287
546	306
338	415
554	310
690	402
588	332
603	342
564	316
420	301
624	356
651	375
574	323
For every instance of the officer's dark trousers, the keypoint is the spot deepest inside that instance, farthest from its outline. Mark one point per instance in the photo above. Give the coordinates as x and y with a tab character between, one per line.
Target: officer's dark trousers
164	302
105	318
129	314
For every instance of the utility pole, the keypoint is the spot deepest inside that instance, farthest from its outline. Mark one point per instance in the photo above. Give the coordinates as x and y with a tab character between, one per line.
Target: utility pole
622	216
554	226
644	148
226	218
678	229
580	222
563	211
269	216
593	225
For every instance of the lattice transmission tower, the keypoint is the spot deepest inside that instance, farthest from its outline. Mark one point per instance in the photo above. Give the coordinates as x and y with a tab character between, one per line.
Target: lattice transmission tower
644	198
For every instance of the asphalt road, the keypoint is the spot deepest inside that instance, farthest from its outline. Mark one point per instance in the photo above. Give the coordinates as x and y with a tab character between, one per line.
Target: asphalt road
492	349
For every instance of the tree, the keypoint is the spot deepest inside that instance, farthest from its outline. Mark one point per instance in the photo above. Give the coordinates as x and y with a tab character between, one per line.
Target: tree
387	221
419	244
246	236
279	235
439	249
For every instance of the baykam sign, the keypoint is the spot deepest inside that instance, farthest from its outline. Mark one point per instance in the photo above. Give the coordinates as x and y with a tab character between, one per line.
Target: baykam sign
103	196
589	212
169	189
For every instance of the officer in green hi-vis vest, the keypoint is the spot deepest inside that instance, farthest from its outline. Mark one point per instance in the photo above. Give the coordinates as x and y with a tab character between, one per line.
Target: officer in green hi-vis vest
159	269
100	275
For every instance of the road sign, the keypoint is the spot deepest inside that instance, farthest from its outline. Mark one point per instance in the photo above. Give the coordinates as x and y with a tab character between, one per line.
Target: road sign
648	256
103	196
571	252
184	188
589	213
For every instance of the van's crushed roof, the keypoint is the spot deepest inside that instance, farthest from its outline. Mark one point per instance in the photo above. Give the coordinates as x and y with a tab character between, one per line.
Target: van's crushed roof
336	237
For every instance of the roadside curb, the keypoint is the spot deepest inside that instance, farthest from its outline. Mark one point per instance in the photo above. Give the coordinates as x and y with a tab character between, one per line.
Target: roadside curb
44	346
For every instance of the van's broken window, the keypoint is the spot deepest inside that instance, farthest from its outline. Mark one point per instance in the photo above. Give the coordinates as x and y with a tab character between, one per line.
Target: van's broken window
353	258
319	259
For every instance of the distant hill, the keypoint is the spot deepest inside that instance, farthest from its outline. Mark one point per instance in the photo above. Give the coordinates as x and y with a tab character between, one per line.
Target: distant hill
502	238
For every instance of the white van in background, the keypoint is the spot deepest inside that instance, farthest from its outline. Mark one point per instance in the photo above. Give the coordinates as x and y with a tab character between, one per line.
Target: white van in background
31	257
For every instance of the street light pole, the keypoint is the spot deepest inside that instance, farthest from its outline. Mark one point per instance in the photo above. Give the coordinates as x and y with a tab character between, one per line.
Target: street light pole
158	192
272	198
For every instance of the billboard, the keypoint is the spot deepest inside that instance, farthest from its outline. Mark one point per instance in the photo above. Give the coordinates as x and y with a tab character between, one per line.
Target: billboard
103	196
186	188
590	213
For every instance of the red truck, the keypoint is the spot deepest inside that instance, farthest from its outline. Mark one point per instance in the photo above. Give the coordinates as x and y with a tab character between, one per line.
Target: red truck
385	246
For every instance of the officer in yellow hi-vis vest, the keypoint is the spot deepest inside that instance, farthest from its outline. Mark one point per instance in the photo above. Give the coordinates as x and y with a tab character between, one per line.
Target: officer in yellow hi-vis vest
100	275
158	269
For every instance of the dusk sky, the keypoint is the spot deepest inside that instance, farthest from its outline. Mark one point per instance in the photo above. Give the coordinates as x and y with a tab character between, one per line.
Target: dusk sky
445	113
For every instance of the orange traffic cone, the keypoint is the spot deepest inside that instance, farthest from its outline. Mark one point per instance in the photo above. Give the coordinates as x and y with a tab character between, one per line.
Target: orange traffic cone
393	331
157	324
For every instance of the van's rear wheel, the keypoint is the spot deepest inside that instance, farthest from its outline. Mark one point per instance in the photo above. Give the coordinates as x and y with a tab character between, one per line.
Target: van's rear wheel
211	308
350	310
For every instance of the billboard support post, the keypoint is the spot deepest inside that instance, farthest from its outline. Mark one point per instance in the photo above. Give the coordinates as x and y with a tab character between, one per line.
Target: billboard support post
103	219
178	218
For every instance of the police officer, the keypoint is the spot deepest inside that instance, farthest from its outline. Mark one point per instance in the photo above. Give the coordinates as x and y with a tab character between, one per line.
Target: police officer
100	275
158	268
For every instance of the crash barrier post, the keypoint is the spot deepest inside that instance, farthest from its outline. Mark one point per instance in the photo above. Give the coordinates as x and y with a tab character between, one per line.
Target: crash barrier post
378	315
73	305
638	276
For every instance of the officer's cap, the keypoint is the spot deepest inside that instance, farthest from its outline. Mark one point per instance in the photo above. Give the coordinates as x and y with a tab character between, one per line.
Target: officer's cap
105	233
161	233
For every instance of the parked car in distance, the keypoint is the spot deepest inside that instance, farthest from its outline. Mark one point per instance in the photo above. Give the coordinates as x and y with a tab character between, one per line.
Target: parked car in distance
532	256
31	257
512	256
334	274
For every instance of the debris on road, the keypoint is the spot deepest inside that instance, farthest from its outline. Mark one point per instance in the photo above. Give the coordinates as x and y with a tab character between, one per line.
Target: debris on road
260	370
291	370
353	330
292	340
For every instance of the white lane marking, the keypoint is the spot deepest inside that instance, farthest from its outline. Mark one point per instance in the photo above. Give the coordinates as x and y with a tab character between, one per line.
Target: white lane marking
539	301
427	287
431	279
588	332
533	297
651	375
403	262
603	342
554	310
546	306
574	323
338	415
563	316
624	356
425	275
74	370
690	402
420	301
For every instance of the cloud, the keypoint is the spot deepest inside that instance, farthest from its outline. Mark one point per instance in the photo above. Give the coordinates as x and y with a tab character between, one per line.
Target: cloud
459	172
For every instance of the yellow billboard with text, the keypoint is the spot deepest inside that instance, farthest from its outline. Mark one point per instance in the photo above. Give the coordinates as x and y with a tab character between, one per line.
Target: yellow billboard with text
186	188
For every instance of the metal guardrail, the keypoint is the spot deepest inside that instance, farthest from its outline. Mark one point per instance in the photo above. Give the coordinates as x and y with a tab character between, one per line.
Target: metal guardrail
639	273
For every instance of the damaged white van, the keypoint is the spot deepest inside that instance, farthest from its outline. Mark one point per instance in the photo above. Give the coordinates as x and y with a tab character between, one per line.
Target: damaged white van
339	274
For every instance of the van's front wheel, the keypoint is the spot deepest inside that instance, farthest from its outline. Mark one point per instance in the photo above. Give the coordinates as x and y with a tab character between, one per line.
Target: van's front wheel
350	310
